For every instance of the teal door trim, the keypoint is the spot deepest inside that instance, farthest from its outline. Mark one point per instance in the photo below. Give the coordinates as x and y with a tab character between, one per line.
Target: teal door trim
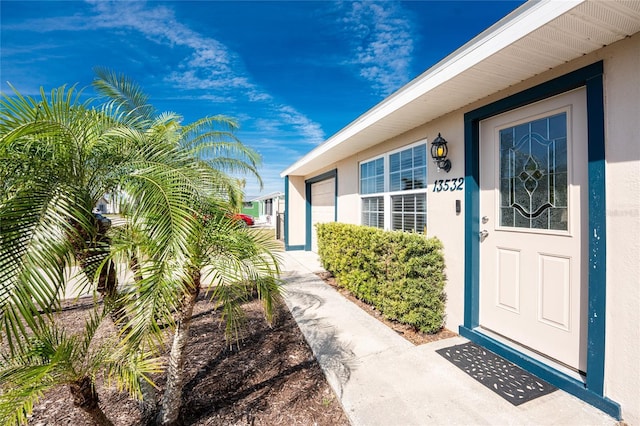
591	391
307	184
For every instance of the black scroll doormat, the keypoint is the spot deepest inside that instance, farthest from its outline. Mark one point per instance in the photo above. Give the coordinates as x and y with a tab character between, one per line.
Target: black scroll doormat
501	376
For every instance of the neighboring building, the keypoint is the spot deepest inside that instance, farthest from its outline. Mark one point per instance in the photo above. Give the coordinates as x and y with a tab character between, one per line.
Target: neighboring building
107	204
251	208
265	208
540	212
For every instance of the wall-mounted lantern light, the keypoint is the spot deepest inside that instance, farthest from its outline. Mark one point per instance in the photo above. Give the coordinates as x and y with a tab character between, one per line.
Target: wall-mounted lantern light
439	153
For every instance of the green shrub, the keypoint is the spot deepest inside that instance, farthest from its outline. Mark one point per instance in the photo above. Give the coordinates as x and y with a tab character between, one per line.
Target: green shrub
400	273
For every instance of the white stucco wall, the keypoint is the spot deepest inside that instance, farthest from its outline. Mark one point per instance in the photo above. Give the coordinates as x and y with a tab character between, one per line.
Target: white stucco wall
442	220
296	211
622	132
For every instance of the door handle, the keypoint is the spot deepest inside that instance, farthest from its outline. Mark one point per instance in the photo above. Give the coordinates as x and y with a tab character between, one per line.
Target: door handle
484	234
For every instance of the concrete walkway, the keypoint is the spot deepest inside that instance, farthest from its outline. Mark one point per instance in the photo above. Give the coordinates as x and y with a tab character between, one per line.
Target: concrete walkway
382	379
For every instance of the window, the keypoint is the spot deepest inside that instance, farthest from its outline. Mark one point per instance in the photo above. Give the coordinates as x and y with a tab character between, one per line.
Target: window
408	169
399	181
409	212
533	174
373	211
372	176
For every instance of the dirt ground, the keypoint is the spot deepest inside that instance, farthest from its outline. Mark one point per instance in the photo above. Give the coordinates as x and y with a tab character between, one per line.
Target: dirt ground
272	378
411	334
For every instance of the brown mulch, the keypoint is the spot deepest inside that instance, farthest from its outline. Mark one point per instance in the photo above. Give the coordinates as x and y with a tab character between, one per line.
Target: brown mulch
408	332
272	378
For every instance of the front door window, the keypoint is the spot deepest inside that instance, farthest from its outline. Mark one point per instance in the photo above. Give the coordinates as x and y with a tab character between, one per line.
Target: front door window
533	174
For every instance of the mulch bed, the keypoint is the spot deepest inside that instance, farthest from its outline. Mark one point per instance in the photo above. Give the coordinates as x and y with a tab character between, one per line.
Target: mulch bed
271	378
408	332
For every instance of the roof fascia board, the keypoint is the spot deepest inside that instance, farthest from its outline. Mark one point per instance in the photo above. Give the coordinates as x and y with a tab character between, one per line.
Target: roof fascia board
267	196
516	25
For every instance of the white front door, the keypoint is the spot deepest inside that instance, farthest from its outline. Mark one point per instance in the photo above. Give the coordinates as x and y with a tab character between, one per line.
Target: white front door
323	206
534	221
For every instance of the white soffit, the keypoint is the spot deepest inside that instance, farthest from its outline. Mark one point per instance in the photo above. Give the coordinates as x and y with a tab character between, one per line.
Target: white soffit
532	39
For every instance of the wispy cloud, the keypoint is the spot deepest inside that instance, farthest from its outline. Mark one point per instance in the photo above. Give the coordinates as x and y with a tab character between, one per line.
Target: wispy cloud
311	130
381	42
289	125
271	180
209	66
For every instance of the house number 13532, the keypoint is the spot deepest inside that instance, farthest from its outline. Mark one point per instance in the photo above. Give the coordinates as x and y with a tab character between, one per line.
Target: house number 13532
455	184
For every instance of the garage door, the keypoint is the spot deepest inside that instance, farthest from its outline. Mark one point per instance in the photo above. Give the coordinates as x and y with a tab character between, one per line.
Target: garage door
323	206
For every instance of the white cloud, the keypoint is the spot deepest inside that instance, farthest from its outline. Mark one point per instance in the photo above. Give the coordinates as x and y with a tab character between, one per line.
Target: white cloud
382	43
265	125
210	66
285	126
207	70
200	97
311	131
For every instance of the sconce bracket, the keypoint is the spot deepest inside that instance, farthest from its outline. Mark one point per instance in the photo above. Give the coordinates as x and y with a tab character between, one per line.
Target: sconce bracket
444	165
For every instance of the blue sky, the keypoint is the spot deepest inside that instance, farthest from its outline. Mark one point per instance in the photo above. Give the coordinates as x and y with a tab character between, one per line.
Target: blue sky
292	73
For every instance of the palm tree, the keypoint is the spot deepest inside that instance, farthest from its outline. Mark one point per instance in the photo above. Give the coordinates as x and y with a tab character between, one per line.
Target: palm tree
53	358
238	261
59	155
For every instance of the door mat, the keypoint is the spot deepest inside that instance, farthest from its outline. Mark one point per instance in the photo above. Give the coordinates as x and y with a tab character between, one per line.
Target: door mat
496	373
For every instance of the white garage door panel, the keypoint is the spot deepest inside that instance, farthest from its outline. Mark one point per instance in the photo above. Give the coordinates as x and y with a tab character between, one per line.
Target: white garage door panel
323	206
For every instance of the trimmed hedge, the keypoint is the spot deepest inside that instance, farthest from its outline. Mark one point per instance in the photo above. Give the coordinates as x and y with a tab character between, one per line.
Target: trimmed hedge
400	273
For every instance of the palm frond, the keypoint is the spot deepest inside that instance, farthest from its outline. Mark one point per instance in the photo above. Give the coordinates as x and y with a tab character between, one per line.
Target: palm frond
34	250
127	369
239	262
53	358
123	92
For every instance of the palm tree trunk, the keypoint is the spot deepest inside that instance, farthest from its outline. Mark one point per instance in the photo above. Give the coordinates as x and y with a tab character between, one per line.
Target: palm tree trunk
85	397
172	398
90	249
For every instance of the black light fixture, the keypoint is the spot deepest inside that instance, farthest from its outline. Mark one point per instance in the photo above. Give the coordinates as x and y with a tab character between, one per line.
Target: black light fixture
439	153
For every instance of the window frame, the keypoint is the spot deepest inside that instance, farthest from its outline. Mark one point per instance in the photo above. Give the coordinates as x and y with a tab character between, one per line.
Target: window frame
386	194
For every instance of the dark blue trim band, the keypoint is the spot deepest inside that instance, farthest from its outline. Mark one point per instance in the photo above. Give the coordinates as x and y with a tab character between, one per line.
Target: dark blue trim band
307	213
324	176
598	234
545	372
590	77
472	228
286	210
294	248
307	190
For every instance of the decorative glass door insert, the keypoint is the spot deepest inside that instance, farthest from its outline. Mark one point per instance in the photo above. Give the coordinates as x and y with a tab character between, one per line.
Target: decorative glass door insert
533	174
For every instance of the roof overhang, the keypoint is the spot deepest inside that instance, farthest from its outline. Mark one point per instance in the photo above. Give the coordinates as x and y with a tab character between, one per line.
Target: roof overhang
534	38
267	196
